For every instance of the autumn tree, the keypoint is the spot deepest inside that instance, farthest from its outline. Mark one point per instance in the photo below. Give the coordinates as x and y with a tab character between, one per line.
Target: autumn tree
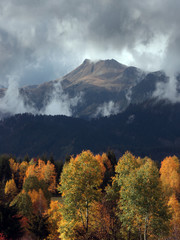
80	188
31	171
47	172
39	202
14	169
126	164
170	175
11	189
54	219
111	203
142	203
103	223
108	169
175	221
22	172
43	171
33	183
23	204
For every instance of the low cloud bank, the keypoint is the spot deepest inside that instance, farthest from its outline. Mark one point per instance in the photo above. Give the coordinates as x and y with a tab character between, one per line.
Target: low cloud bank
57	102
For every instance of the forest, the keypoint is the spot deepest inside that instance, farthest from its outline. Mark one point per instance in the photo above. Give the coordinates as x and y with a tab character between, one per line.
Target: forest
89	196
148	129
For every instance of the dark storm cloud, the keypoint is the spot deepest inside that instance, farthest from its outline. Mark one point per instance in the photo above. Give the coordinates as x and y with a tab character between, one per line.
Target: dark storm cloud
42	40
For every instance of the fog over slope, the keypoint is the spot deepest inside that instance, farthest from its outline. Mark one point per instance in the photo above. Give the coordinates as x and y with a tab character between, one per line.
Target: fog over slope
93	89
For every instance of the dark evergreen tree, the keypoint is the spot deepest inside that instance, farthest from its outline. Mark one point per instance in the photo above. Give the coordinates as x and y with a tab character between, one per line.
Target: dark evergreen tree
26	158
5	170
38	226
10	224
44	157
112	157
51	158
59	167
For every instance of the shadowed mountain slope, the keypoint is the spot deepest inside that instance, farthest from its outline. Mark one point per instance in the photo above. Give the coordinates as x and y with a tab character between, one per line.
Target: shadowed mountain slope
151	129
102	88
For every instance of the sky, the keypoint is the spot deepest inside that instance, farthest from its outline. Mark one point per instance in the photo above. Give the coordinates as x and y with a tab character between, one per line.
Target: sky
42	40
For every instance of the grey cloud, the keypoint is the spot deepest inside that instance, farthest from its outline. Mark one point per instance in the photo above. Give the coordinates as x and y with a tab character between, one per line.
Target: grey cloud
42	40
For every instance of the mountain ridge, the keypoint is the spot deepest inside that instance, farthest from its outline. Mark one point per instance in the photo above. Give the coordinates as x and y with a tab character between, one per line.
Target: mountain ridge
93	86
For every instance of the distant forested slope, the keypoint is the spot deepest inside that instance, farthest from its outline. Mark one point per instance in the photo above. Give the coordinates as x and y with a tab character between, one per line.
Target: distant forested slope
151	128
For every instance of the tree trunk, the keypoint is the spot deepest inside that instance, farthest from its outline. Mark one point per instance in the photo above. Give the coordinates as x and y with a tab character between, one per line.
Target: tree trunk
87	215
82	219
140	234
129	235
146	226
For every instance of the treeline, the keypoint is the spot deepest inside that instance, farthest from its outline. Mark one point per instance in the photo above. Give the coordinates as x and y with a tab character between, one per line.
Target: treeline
90	197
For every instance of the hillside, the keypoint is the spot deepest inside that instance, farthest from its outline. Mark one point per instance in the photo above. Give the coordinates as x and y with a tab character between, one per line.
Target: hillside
151	128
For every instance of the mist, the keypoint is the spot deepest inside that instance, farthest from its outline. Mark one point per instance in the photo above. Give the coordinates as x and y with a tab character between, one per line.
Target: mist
56	101
59	103
12	102
106	109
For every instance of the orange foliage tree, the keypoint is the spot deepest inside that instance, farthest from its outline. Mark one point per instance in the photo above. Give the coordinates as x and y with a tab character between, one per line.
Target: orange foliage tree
44	172
39	202
54	218
175	222
170	175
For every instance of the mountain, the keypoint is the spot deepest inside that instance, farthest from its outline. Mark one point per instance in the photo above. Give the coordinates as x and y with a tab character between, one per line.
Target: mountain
148	129
93	89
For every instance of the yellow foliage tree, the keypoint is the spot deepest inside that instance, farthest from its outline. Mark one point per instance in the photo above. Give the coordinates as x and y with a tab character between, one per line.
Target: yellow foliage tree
10	188
54	219
143	210
22	172
80	187
175	222
14	169
13	165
